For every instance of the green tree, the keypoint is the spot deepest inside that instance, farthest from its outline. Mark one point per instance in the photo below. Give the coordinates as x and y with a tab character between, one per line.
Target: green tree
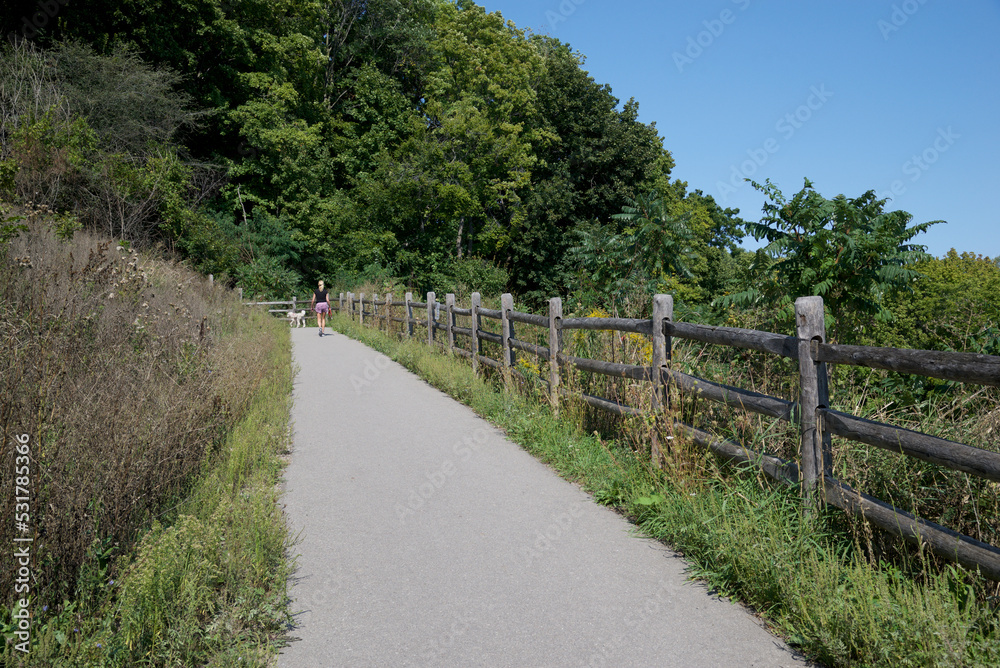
659	240
714	239
850	251
954	305
599	156
453	186
653	248
221	47
389	36
133	106
427	137
95	136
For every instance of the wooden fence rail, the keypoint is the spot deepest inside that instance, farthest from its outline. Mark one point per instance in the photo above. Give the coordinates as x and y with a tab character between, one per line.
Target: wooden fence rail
816	421
962	367
293	304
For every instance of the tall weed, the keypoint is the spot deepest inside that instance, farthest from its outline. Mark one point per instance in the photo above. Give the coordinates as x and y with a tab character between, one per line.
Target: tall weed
130	374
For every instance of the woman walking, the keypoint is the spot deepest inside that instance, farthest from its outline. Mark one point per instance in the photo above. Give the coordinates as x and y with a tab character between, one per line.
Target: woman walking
321	304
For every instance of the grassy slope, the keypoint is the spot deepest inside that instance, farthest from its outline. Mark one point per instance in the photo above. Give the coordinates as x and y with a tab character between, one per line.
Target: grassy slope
202	578
207	586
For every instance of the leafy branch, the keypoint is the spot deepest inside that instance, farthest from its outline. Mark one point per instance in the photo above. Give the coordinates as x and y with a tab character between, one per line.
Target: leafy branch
850	251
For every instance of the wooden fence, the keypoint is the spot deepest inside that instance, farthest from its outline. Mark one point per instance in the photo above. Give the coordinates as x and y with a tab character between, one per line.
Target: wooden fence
284	306
817	422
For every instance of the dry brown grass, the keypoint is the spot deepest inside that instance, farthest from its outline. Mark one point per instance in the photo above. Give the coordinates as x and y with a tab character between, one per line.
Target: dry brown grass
114	364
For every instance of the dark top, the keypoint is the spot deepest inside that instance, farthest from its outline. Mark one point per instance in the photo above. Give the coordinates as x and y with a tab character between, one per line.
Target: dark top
320	296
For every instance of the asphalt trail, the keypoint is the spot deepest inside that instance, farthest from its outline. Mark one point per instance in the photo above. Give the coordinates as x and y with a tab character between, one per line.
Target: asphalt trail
426	538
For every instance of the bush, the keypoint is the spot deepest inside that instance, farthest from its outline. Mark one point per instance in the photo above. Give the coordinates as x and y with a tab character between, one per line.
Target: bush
96	136
955	305
473	274
111	362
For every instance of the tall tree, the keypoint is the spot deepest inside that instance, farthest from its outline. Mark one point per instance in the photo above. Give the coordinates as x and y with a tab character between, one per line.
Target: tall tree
850	251
653	247
601	155
221	47
391	36
955	305
454	186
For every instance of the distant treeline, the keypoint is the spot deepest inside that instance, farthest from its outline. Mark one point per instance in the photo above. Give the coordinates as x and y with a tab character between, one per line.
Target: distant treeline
430	143
279	142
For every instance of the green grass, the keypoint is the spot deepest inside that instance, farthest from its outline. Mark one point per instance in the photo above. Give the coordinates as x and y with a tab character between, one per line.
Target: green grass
809	579
211	588
206	585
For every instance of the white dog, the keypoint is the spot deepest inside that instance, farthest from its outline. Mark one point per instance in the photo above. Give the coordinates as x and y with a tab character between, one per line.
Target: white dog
297	318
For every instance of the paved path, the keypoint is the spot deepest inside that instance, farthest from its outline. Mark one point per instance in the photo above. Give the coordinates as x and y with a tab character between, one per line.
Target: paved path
428	539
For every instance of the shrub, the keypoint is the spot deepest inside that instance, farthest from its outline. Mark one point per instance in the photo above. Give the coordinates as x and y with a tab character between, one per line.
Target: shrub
112	363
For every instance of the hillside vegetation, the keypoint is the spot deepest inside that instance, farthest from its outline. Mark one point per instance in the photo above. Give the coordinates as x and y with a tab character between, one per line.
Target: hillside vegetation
274	144
154	408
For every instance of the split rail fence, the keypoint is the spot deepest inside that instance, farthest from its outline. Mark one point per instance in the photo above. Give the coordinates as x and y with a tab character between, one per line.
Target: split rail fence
817	422
283	306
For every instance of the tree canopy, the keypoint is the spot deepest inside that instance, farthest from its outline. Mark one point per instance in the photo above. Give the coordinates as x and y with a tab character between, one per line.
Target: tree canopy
412	135
850	251
428	140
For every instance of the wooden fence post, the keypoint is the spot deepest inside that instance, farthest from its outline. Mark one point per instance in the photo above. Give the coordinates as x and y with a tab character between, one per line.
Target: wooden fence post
431	302
663	311
449	300
408	298
240	292
375	311
813	390
388	313
361	309
555	345
476	302
340	304
350	305
507	332
293	304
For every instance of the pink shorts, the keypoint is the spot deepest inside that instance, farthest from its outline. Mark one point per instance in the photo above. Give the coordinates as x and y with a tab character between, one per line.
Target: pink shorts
322	307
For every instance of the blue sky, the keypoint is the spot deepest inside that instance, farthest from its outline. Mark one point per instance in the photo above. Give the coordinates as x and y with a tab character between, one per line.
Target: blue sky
897	96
